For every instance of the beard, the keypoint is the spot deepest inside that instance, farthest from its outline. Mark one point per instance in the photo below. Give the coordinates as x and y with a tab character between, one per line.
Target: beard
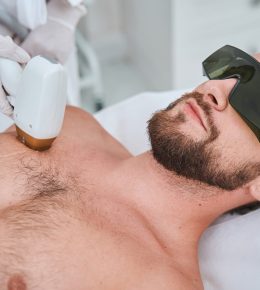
197	160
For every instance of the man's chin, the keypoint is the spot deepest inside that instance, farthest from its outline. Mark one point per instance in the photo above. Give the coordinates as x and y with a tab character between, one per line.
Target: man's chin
194	159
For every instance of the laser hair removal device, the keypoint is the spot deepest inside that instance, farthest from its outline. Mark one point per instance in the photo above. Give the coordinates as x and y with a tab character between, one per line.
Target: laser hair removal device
40	91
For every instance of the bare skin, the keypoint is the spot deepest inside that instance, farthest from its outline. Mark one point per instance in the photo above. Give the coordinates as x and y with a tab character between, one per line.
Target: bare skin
139	226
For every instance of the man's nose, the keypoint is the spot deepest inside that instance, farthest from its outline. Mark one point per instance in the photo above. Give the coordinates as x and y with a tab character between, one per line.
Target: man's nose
217	92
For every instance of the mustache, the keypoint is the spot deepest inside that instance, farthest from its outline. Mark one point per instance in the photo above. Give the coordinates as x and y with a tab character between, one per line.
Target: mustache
205	107
192	95
199	99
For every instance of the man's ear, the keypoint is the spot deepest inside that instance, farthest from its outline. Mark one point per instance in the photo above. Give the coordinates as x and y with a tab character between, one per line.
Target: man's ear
254	188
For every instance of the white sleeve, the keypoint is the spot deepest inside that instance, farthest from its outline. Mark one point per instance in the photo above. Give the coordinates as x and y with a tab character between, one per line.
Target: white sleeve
75	2
9	6
31	13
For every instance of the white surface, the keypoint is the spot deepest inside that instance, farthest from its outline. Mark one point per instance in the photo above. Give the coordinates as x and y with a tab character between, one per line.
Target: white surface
200	27
148	26
104	19
230	254
120	79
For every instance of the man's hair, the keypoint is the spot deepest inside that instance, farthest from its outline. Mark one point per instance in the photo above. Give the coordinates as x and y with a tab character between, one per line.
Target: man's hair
244	209
53	201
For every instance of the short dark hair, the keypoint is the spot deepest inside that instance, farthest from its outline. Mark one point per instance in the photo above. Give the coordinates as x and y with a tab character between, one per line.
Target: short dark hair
244	209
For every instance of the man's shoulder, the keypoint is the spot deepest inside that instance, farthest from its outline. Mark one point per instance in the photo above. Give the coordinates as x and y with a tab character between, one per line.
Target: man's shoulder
86	133
131	265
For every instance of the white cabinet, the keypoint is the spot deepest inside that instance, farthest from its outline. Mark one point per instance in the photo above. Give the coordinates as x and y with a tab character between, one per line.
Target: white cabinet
168	39
148	26
202	26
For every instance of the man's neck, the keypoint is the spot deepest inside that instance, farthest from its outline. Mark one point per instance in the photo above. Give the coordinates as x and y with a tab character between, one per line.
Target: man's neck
178	209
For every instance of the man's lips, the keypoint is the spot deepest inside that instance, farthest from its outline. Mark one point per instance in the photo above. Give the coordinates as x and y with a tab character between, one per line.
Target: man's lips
193	110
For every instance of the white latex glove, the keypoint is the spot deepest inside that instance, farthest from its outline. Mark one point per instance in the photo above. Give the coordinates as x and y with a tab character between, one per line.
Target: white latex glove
55	39
74	2
9	50
31	13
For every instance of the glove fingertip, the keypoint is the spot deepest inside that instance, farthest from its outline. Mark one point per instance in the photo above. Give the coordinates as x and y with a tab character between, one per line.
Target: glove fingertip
21	55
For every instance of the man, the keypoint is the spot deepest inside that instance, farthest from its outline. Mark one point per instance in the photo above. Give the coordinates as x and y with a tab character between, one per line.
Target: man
88	215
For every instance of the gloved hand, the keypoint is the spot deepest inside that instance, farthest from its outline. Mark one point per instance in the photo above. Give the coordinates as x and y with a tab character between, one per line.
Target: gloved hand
55	39
10	50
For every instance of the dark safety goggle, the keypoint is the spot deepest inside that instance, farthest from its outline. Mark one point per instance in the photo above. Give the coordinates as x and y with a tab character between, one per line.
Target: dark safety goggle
231	62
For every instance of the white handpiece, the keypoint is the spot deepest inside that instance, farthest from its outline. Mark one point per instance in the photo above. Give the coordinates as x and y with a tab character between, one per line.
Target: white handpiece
40	91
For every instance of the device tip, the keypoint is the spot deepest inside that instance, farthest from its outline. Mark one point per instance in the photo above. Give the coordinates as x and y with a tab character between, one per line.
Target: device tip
33	143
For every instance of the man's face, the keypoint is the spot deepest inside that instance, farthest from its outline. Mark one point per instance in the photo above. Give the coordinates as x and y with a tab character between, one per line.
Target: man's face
200	136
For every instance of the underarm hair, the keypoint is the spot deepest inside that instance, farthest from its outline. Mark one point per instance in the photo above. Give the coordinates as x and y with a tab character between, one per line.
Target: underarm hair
53	202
